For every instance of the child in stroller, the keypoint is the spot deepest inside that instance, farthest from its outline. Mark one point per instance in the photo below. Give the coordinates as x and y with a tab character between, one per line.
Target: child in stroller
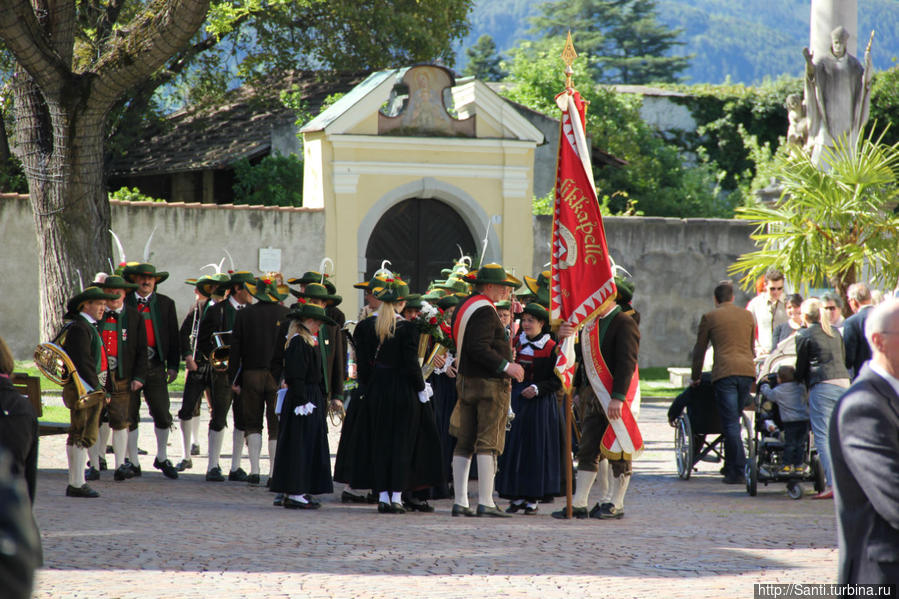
792	406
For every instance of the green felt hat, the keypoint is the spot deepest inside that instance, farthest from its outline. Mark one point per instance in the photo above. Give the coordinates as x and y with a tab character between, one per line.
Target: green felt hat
625	290
133	269
114	282
455	285
503	305
434	294
265	290
310	276
448	302
389	290
241	276
537	311
414	300
91	293
542	281
303	311
208	284
495	274
317	291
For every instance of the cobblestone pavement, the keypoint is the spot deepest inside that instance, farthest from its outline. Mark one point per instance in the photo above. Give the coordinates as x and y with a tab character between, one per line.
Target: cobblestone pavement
161	538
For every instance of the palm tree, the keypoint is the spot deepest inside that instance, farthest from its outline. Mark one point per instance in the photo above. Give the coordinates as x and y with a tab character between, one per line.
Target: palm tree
832	222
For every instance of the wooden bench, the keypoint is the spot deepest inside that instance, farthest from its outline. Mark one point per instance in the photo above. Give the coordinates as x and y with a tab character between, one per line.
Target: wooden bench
30	387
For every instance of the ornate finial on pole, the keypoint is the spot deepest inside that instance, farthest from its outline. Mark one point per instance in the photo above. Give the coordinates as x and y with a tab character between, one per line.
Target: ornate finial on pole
568	55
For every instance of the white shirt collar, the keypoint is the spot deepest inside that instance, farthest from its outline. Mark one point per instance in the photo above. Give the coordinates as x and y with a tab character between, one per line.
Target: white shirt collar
893	381
88	318
234	303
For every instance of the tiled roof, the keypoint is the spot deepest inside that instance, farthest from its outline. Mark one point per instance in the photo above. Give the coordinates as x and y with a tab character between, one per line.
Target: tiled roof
214	137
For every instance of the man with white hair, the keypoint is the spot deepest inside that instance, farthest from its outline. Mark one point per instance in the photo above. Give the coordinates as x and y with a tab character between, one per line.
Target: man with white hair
858	351
864	447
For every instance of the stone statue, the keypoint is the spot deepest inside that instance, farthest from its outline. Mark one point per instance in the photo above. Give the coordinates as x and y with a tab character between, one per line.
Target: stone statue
797	134
837	94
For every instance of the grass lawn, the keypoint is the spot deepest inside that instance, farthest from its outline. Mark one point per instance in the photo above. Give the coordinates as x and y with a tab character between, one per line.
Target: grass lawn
27	366
654	383
55	414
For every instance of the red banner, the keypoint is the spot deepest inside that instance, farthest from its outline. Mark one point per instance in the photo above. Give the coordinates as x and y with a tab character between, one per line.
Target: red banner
582	280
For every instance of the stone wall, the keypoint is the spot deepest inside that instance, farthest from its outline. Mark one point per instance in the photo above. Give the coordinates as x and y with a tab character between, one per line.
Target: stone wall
187	237
675	264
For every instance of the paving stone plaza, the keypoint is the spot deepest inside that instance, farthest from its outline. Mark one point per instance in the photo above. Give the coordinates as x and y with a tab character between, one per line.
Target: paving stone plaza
161	538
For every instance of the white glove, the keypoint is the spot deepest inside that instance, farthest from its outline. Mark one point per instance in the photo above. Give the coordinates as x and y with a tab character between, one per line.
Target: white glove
305	409
423	396
429	390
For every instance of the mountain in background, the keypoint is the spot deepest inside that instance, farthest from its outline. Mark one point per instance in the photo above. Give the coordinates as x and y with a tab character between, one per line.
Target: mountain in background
746	41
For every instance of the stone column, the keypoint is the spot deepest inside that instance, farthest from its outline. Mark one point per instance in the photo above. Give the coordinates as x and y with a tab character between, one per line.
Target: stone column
826	16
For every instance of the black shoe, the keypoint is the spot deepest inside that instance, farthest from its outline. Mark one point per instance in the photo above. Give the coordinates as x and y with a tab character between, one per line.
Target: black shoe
279	500
82	491
141	451
253	480
514	507
215	475
347	497
606	511
413	504
135	469
576	512
168	470
292	504
195	449
461	510
491	511
109	449
184	464
103	465
530	511
734	480
397	508
237	476
123	472
385	508
91	474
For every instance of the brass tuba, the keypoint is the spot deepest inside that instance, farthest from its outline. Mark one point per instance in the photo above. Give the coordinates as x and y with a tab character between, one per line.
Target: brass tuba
218	357
56	365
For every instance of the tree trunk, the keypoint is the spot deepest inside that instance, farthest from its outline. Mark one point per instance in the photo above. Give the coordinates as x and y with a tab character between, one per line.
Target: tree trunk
62	155
841	283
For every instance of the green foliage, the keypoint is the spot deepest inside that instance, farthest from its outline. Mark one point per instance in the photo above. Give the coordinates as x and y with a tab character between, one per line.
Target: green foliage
885	101
275	181
622	38
125	194
483	61
12	178
830	223
655	178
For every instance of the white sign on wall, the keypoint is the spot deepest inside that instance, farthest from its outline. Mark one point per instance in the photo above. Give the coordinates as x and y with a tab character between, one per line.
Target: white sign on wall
269	259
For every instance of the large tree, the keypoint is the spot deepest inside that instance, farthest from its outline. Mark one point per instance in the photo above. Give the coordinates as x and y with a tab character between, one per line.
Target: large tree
484	61
89	71
622	38
64	89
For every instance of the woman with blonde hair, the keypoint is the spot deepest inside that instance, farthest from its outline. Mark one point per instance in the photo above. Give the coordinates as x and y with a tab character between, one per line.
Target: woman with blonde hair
387	351
821	366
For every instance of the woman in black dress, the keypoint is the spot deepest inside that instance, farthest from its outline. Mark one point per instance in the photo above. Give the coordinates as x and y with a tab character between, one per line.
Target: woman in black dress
302	458
529	468
403	455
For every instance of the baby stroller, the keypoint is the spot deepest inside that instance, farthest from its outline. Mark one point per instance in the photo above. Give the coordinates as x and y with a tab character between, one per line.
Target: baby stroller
766	447
694	416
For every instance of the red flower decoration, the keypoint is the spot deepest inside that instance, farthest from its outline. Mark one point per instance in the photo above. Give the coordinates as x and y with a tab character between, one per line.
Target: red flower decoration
433	320
267	281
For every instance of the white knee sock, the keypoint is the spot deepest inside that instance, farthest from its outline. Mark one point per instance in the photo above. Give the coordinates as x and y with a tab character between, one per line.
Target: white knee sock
254	450
215	447
71	459
384	497
585	480
80	459
195	430
619	488
119	442
94	454
103	438
603	478
185	438
162	440
272	448
237	441
133	456
461	466
486	474
396	497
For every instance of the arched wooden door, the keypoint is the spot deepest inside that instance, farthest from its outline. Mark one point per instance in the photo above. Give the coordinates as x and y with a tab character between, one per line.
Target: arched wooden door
419	237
